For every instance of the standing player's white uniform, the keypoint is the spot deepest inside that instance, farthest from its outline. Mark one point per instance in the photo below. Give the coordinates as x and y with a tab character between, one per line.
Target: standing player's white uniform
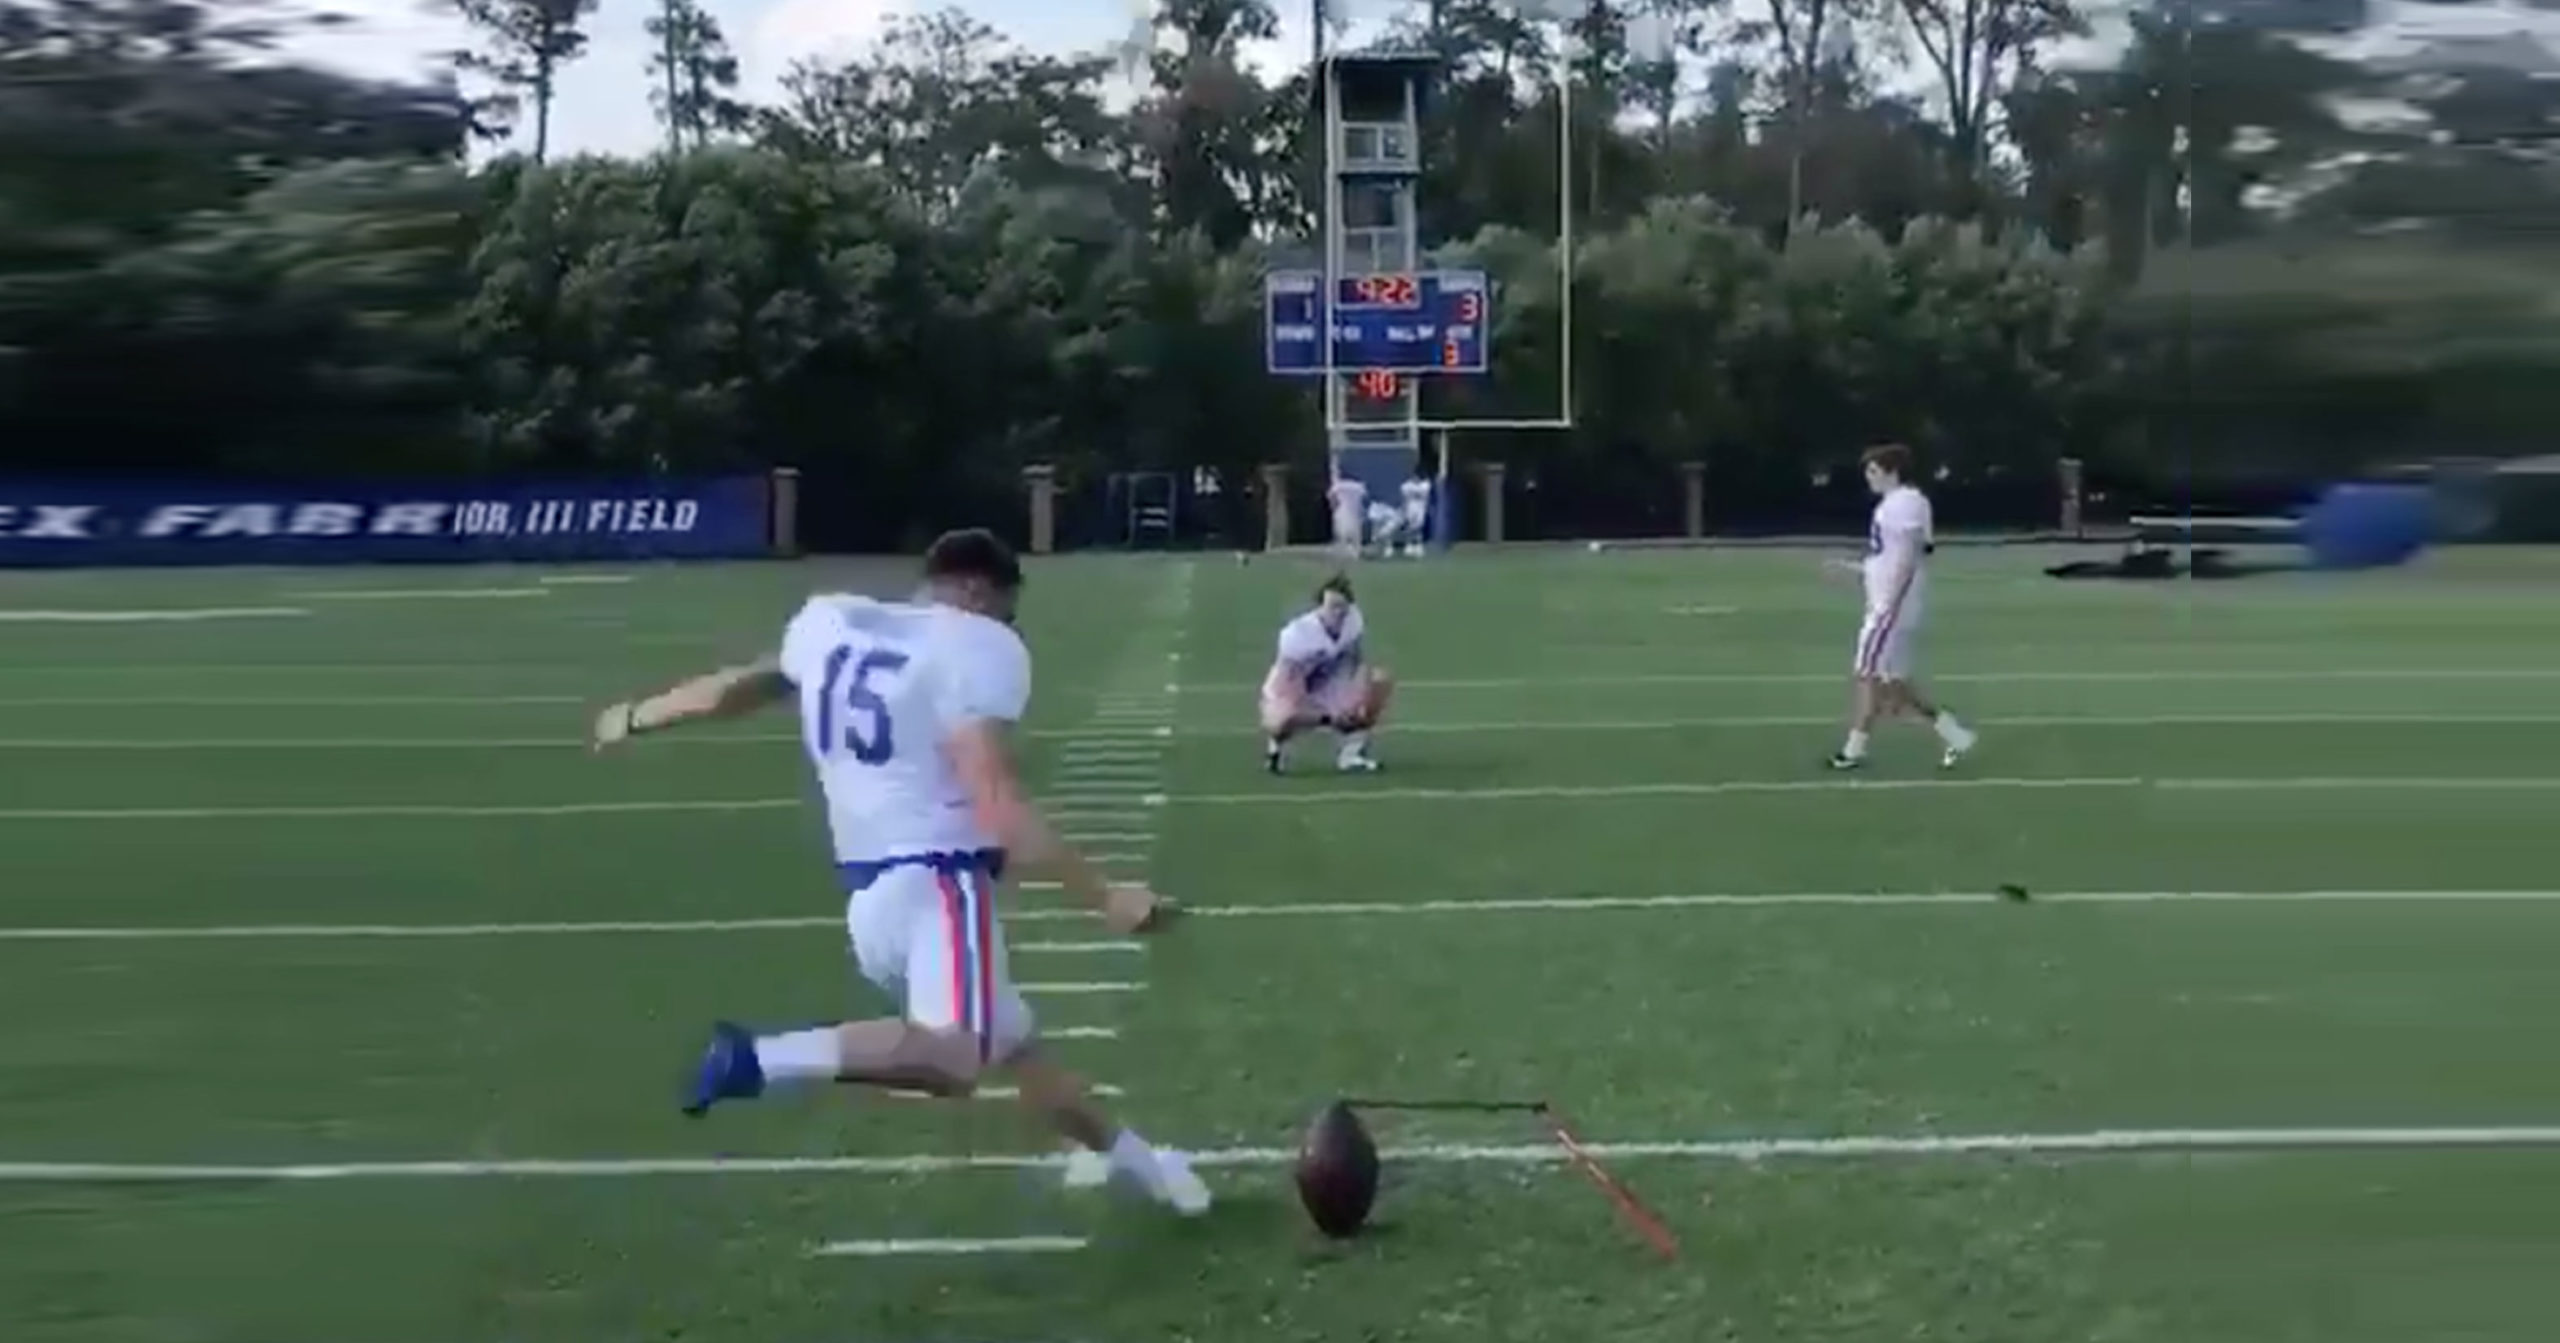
881	684
1350	500
1892	624
1417	513
1330	663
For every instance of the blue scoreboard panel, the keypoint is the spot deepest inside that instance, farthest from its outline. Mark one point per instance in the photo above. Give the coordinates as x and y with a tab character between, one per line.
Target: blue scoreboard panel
1425	322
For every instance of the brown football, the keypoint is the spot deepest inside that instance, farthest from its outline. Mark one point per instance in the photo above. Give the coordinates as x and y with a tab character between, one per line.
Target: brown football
1338	1172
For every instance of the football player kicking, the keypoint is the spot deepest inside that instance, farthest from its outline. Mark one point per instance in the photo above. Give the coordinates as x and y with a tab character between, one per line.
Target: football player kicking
906	709
1896	580
1318	680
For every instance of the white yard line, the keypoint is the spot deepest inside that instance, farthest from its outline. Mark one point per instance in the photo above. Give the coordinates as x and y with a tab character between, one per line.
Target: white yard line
1129	752
1294	910
2023	677
1284	796
1137	726
876	1249
98	616
1125	753
390	810
1766	721
286	701
2092	1142
1102	1089
1293	797
414	594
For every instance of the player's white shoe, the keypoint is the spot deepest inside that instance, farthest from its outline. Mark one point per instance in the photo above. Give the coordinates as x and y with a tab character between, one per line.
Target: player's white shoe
1356	760
1168	1179
1178	1187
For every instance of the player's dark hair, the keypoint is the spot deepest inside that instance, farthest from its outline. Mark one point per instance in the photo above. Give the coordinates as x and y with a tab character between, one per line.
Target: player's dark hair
1338	583
1892	458
973	552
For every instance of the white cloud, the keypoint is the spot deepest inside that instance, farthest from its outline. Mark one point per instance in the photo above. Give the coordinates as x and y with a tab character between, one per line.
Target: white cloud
789	31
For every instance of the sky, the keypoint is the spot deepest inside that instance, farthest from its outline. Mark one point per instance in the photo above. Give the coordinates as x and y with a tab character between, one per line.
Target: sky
604	97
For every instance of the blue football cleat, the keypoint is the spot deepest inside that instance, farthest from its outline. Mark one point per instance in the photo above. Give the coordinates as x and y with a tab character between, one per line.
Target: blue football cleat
729	1070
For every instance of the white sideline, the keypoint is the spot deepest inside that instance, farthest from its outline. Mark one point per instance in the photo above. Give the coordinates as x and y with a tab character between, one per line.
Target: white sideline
1311	909
2093	1142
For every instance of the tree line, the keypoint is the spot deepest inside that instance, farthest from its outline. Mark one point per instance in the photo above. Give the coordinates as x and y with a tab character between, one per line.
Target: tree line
1804	225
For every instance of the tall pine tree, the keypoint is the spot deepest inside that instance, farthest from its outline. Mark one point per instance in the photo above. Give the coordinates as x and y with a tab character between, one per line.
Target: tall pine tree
694	75
524	44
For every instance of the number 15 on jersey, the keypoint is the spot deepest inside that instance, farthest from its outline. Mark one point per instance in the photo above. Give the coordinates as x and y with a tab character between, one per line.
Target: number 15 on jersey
853	715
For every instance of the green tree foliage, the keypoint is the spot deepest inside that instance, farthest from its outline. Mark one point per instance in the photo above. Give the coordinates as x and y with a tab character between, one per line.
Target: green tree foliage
948	258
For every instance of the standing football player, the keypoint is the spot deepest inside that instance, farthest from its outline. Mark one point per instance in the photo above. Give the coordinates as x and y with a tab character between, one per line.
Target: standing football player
1895	575
1350	501
907	710
1417	511
1318	679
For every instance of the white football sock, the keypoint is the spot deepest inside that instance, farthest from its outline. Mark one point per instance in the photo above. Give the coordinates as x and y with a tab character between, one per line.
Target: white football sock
1952	732
800	1055
1354	744
1856	747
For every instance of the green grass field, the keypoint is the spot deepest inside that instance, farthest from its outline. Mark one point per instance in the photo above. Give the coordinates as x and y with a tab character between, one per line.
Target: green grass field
1602	868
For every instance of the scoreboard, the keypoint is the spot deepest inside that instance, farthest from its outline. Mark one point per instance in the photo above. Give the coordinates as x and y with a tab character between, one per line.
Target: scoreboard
1420	322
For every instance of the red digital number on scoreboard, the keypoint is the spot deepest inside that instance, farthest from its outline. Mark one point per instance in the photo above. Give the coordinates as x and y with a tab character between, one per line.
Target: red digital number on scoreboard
1387	291
1450	355
1377	384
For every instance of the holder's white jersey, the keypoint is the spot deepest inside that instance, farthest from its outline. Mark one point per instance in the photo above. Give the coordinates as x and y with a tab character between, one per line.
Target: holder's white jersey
882	684
1306	648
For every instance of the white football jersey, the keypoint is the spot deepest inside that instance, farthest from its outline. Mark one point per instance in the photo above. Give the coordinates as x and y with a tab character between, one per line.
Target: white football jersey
1306	646
1348	496
881	685
1901	517
1417	496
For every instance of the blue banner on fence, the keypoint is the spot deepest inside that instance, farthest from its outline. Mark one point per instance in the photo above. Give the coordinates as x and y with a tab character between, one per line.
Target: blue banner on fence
163	523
